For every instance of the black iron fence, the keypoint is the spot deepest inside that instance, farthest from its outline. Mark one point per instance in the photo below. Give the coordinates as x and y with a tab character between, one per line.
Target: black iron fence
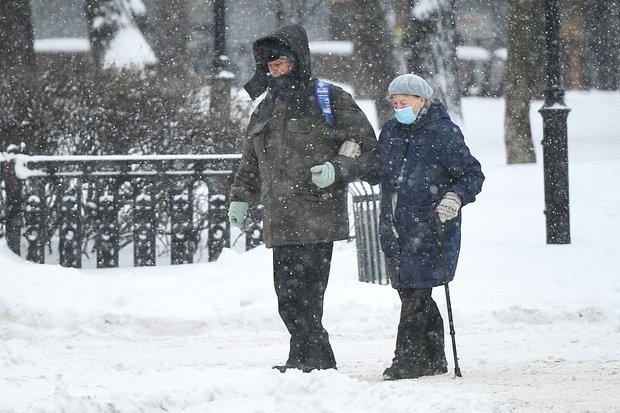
67	208
63	209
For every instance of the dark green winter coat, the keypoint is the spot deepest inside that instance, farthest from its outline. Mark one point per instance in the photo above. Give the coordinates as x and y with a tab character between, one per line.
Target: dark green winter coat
286	136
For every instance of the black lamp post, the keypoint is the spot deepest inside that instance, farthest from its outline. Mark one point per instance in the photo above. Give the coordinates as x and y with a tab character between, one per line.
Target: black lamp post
222	75
555	149
219	17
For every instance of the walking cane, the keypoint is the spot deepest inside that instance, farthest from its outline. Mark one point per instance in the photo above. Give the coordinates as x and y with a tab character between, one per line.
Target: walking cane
457	370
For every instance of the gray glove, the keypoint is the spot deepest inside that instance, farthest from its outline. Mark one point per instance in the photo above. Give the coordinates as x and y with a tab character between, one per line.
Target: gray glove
449	207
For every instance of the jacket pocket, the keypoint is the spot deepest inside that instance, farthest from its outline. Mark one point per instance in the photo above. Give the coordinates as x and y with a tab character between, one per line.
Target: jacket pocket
302	134
299	125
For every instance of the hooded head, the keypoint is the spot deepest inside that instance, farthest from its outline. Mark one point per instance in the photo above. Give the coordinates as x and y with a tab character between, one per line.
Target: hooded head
290	41
271	50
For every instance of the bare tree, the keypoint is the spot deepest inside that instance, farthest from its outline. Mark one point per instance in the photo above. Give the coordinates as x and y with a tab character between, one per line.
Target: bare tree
431	49
519	83
16	37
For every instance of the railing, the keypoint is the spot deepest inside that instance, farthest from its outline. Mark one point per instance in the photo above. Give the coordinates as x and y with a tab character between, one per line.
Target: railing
176	206
163	205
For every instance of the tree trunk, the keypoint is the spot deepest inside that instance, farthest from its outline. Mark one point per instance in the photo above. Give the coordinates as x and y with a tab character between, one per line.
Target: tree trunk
602	20
172	31
98	35
519	83
431	49
16	37
374	53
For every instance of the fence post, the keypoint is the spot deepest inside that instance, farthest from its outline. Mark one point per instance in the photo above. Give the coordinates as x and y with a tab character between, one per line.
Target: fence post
217	216
13	189
107	214
70	233
144	226
34	220
182	239
217	219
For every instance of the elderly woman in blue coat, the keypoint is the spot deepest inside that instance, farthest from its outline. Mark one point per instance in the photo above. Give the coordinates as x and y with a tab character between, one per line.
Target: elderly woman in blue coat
427	174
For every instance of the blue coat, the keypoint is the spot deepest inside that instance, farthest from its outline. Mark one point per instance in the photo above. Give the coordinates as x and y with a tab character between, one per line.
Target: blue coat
420	163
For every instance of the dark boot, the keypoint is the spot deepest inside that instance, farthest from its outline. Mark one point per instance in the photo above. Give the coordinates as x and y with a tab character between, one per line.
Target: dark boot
401	371
319	354
283	368
306	368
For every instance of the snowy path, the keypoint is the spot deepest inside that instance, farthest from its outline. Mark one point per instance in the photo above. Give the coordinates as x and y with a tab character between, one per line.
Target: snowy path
514	358
525	368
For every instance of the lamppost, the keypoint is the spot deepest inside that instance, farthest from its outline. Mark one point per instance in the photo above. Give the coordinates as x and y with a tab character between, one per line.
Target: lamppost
222	75
555	149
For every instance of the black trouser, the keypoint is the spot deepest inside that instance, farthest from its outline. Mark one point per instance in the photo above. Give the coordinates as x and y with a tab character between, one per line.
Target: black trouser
300	274
420	339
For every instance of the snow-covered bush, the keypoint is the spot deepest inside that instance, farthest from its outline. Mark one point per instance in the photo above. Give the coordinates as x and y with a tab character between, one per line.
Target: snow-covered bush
106	112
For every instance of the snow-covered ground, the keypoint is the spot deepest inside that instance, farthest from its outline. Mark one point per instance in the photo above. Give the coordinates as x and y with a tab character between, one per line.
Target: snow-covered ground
537	325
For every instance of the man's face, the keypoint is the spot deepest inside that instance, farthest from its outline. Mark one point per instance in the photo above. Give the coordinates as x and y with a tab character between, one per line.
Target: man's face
280	66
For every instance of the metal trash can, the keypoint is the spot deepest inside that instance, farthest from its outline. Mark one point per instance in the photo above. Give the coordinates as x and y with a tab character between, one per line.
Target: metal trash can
370	259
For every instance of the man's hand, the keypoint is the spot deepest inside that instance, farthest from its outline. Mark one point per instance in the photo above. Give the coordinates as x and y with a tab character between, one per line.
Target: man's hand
237	212
323	175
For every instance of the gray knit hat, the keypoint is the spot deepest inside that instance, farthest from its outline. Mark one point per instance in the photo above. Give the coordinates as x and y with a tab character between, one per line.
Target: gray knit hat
410	84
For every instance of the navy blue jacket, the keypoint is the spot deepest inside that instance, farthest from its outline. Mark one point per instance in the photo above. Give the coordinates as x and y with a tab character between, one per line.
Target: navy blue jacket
420	163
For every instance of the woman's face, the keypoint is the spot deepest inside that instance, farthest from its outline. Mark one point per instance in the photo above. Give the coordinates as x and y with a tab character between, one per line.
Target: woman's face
403	101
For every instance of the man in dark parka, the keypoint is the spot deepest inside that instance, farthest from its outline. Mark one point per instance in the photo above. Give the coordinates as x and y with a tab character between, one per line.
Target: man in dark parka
298	166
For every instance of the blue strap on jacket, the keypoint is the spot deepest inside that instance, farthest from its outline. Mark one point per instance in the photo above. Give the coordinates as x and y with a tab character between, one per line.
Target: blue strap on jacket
322	90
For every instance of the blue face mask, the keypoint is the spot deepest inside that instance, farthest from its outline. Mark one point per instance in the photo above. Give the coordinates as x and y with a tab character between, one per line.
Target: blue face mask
406	116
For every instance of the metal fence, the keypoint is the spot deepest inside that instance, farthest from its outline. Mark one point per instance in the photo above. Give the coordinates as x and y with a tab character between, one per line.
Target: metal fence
72	207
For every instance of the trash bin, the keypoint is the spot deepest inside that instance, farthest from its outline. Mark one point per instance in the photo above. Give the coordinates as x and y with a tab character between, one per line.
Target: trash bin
365	201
